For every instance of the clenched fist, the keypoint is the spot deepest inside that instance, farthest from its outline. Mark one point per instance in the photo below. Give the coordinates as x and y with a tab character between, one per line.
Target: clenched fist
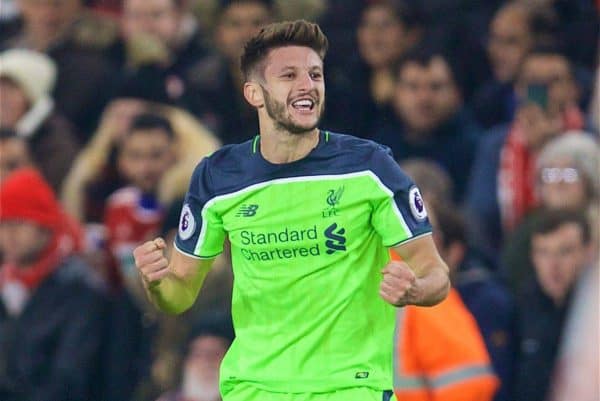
151	261
399	285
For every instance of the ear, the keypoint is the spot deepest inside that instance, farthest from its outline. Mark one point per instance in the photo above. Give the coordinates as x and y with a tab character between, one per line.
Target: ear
253	94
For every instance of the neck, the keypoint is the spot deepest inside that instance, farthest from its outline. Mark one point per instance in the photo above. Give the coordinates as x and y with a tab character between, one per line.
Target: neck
279	146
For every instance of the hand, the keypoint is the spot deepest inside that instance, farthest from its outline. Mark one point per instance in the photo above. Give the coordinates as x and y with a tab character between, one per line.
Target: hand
151	261
538	127
399	285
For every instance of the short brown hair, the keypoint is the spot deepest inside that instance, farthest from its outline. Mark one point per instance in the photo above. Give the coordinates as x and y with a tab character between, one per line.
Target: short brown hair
280	34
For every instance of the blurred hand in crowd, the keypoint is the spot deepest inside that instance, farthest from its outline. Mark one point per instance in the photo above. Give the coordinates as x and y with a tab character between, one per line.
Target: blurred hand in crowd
547	93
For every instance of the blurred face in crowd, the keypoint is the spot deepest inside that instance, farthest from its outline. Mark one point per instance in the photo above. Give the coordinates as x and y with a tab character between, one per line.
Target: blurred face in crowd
563	186
238	24
201	368
159	18
510	40
554	73
426	95
13	103
14	154
22	242
46	20
291	93
144	157
381	36
558	258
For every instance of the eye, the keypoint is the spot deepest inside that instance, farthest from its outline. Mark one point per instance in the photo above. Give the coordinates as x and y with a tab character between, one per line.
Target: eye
288	75
316	75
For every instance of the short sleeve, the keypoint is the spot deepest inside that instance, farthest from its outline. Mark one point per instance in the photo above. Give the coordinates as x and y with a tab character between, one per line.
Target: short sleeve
200	232
399	213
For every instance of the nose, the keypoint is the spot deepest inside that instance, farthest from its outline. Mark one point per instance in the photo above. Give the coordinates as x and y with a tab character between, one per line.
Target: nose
305	82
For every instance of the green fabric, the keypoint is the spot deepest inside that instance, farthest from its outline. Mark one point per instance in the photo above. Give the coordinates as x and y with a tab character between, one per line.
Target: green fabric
246	392
306	302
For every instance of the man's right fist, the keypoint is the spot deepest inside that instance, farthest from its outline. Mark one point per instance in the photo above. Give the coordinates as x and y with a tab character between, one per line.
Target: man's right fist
151	261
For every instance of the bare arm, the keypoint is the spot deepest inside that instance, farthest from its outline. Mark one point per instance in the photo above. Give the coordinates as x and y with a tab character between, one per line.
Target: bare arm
421	278
172	286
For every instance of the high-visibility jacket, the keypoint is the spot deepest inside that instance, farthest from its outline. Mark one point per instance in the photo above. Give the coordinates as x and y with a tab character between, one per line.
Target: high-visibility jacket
440	355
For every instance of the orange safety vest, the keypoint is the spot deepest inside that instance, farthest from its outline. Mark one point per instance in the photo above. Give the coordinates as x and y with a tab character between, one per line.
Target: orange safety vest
439	354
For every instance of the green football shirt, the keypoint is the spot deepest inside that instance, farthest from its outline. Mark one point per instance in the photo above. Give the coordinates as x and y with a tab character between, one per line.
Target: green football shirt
308	242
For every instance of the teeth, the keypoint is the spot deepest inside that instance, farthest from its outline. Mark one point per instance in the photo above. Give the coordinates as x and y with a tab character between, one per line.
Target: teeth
303	103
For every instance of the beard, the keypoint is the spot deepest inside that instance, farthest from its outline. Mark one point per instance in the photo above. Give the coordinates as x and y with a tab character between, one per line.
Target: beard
283	121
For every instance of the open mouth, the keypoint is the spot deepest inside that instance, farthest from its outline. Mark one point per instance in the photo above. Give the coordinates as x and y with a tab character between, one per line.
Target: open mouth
305	104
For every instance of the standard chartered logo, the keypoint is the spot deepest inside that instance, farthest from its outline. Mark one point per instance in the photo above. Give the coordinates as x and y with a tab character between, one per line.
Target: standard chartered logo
291	243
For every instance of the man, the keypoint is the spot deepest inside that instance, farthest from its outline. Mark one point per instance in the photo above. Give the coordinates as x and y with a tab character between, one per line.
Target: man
208	341
432	362
490	303
501	188
309	215
215	94
511	38
51	312
560	252
430	121
160	46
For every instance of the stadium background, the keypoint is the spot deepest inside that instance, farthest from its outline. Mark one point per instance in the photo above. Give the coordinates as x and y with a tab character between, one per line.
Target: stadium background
448	85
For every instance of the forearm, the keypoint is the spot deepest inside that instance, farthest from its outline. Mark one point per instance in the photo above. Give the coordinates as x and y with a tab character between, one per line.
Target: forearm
433	287
175	293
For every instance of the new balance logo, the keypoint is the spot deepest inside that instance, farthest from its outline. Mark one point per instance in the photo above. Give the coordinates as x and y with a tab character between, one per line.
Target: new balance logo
336	239
247	211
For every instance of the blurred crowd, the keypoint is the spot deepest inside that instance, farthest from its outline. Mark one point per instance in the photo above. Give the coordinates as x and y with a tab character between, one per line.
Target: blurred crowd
106	106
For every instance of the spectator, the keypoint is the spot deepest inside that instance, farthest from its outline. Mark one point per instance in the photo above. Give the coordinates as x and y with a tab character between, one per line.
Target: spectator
502	185
217	90
77	41
434	182
94	175
26	80
161	46
51	312
490	303
560	251
133	214
566	179
208	341
429	119
385	31
15	153
511	37
433	363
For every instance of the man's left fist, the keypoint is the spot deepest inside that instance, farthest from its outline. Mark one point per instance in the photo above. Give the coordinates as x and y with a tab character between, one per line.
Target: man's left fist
400	285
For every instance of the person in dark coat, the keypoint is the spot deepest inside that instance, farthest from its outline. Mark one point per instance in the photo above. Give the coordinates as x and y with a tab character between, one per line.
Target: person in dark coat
429	119
560	251
52	310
